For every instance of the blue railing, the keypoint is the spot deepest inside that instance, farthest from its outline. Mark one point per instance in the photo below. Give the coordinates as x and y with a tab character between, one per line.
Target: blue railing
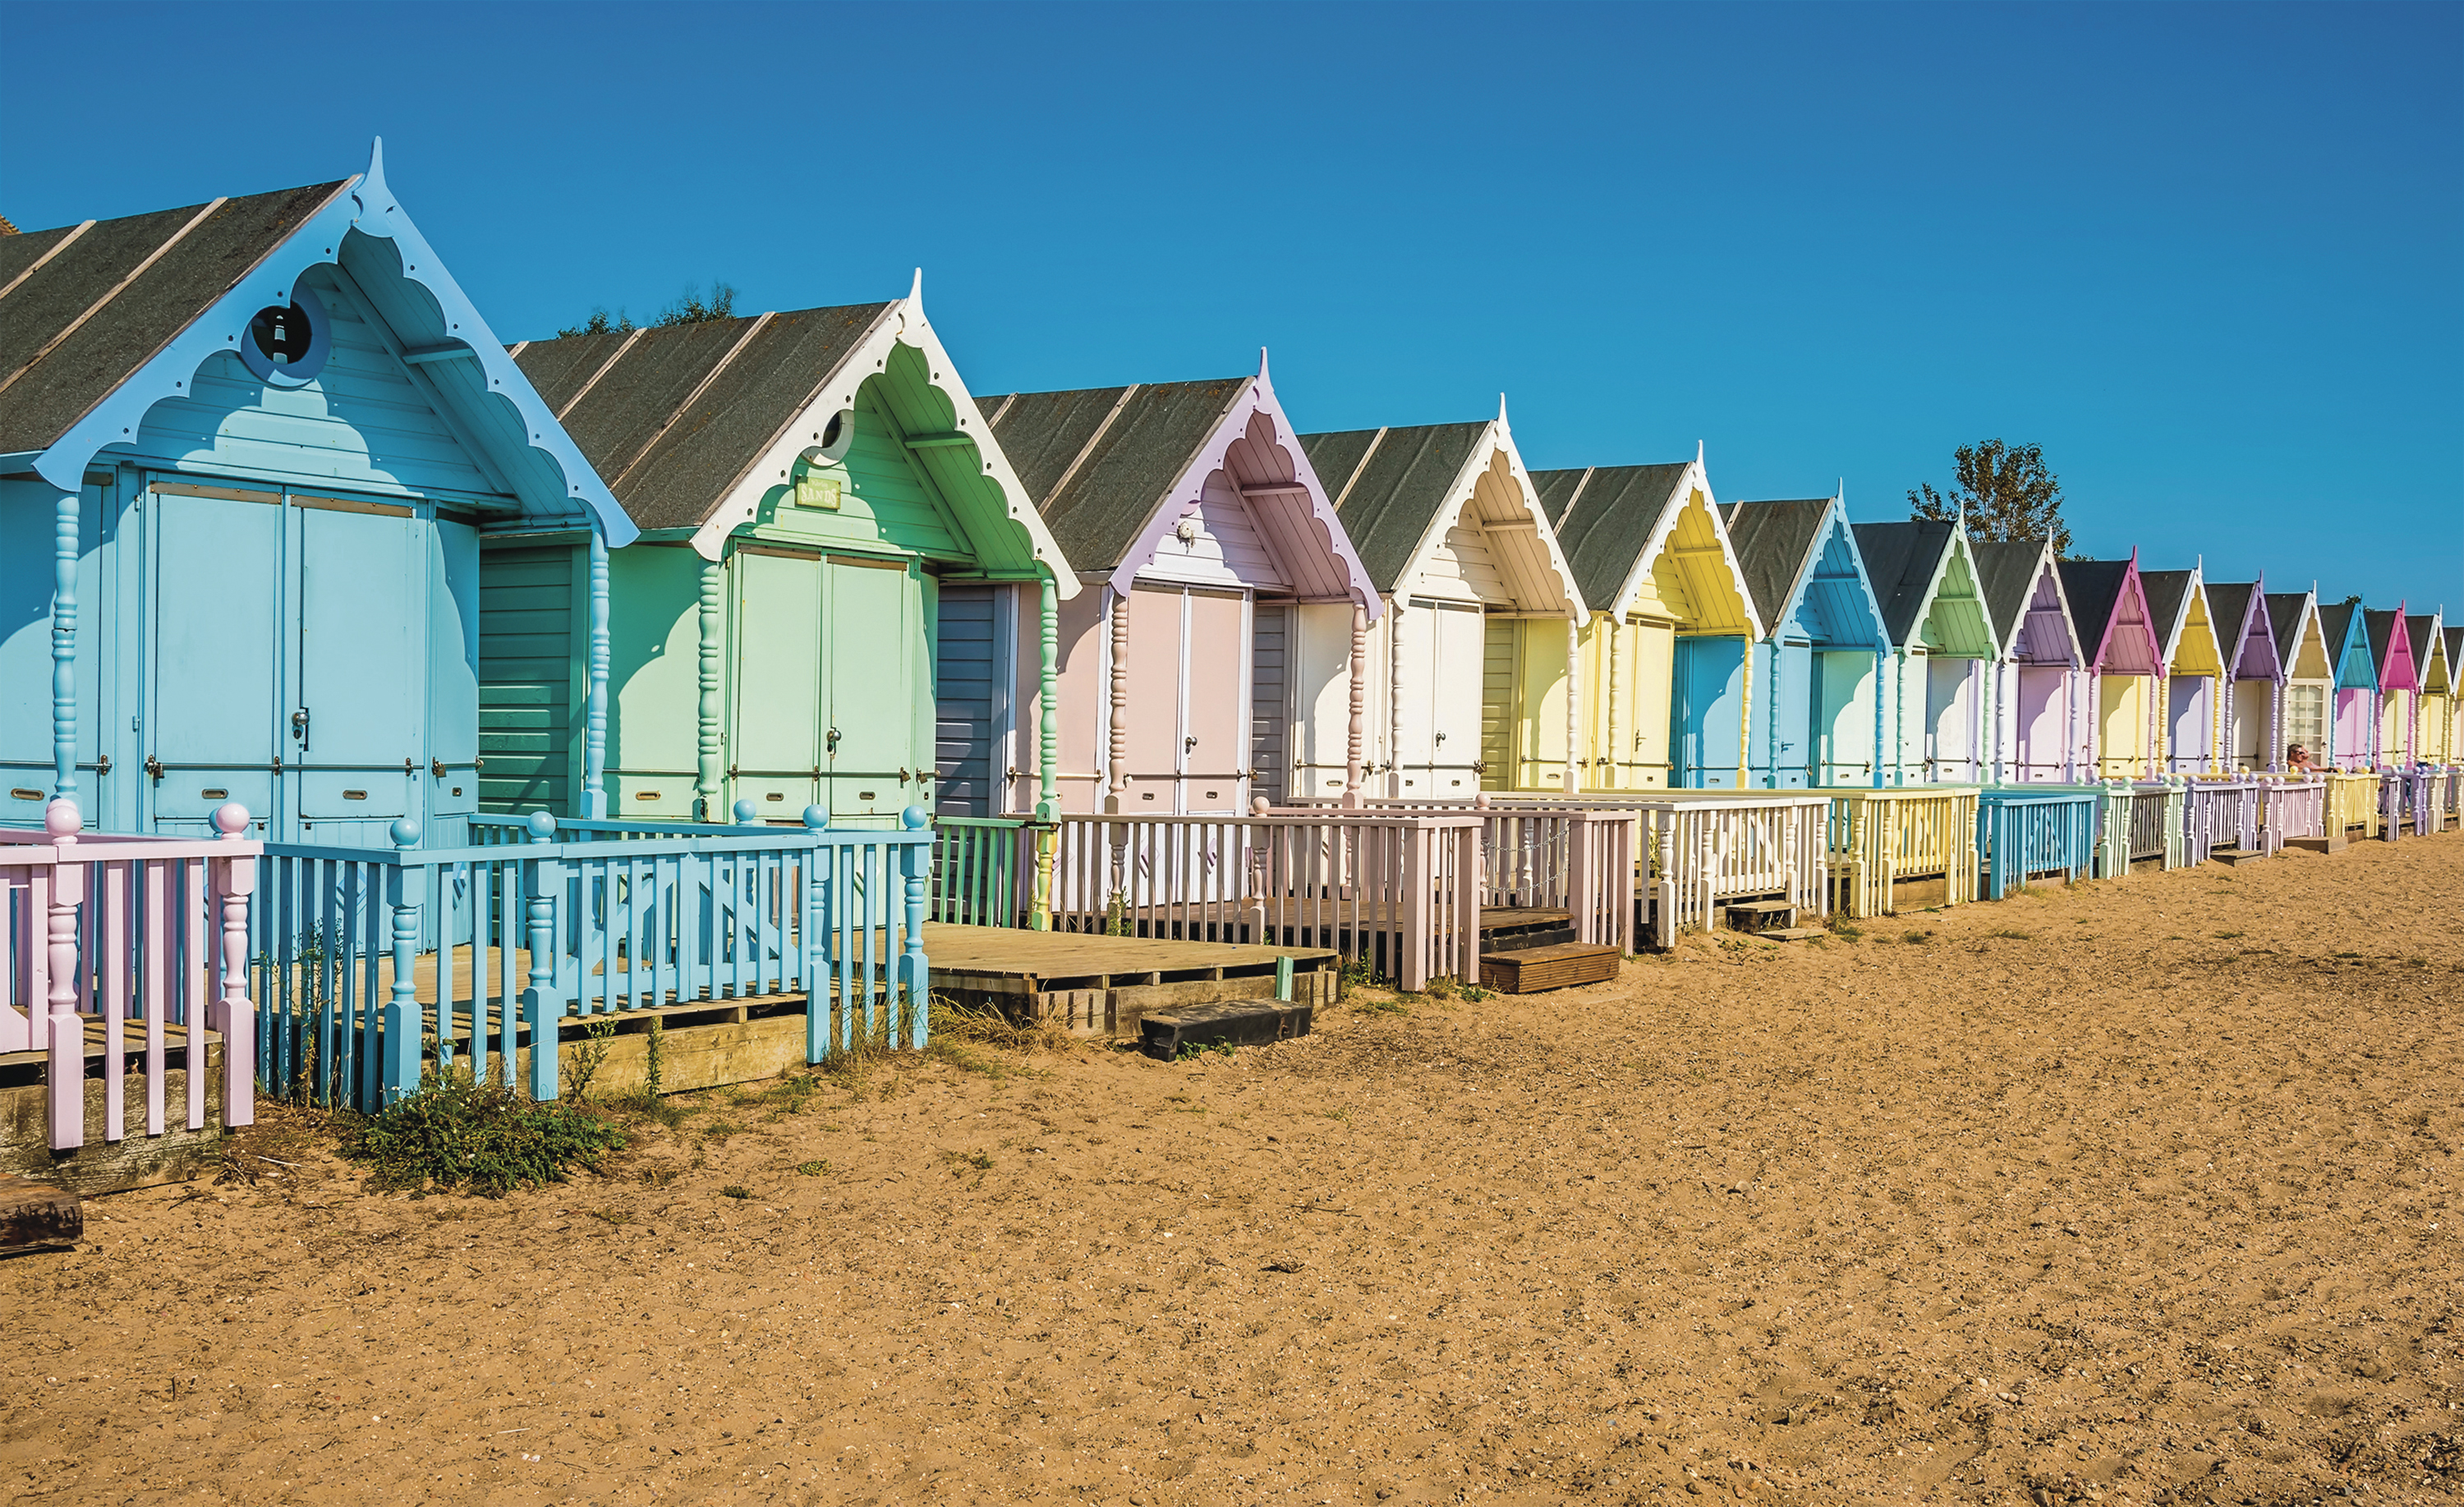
373	965
2028	832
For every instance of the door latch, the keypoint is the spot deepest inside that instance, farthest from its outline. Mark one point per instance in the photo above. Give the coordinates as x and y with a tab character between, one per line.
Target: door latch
834	740
299	728
1189	745
436	767
1442	737
102	764
903	775
153	766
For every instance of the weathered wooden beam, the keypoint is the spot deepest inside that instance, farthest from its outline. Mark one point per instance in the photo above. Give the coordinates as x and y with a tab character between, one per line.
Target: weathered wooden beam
37	1217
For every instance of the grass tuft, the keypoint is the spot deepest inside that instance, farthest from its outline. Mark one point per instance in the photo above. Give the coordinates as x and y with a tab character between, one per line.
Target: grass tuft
455	1134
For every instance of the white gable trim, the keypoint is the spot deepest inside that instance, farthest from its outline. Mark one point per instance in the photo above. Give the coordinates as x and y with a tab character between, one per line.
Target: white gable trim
1695	479
1495	438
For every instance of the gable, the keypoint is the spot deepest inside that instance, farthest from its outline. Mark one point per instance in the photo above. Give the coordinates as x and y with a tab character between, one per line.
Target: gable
1954	622
1695	575
2291	612
2197	649
1837	598
875	493
2046	634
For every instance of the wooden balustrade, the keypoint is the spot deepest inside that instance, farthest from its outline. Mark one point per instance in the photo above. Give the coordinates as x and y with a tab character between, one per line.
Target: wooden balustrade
2353	804
2221	812
2157	823
2290	808
2030	832
103	936
1881	838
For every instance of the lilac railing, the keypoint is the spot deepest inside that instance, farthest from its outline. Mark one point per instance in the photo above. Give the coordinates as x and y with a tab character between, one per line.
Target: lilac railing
1538	855
113	936
2291	808
2221	814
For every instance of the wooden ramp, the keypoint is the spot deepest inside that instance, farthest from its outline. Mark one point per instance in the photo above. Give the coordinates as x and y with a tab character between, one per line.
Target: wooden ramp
1095	985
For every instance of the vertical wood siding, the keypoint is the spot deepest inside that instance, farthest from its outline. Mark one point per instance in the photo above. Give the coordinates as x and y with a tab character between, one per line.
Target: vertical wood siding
654	681
528	725
1270	688
967	682
1500	706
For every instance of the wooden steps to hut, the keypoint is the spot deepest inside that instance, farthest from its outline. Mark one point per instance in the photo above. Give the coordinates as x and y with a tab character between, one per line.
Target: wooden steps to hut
38	1217
1561	965
1223	1022
1759	916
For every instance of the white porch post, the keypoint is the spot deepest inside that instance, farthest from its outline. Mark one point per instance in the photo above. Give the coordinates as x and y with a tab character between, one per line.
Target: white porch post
1117	778
1616	690
710	770
64	626
1573	706
1881	662
594	740
1355	732
1394	696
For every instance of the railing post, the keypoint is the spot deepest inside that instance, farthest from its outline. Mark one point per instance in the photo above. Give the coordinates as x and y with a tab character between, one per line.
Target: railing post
815	937
400	1076
709	762
62	1030
1356	728
64	626
594	738
236	881
541	1010
914	974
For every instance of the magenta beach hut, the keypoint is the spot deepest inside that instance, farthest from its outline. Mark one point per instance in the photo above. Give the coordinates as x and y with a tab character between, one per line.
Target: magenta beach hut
2392	654
2124	660
2038	682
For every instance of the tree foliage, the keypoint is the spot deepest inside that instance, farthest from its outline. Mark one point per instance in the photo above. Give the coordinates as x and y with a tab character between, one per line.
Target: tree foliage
689	308
2005	490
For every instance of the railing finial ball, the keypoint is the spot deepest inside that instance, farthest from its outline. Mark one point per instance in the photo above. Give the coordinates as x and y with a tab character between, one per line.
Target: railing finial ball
404	833
541	827
61	818
231	819
1262	805
747	814
916	818
816	818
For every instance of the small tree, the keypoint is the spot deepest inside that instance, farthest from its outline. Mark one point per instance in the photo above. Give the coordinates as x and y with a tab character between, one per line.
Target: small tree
600	322
689	308
2006	492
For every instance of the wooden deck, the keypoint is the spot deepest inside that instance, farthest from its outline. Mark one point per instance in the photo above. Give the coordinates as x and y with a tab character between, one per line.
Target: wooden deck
1090	984
175	1039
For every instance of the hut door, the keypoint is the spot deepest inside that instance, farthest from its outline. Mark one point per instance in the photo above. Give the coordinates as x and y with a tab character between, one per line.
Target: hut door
2043	742
2251	706
1214	742
1793	704
969	675
1271	717
775	760
2190	739
1951	719
1456	670
1843	717
357	754
1708	715
217	660
876	638
1501	652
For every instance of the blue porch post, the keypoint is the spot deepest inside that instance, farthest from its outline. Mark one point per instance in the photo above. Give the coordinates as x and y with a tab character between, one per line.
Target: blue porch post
814	934
914	974
64	624
594	740
1881	658
401	1029
542	1009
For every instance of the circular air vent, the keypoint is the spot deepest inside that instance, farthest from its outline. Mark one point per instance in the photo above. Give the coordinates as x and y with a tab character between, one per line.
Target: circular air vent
286	344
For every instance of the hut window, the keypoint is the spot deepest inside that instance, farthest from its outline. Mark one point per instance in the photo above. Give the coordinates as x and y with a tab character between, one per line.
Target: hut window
286	344
2305	719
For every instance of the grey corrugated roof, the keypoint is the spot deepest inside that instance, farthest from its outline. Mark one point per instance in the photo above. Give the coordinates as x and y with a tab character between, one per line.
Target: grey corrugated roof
124	333
2334	621
2419	626
2379	627
2456	651
1900	560
2006	574
2284	619
2228	606
1611	521
670	457
2163	590
2093	588
1771	541
1100	508
1391	497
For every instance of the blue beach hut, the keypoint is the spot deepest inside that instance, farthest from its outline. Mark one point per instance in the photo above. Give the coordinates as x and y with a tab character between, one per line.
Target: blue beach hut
1817	667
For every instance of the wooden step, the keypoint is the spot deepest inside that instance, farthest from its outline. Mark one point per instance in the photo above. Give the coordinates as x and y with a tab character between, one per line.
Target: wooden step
1527	970
2232	856
1791	933
1238	1022
1757	915
38	1217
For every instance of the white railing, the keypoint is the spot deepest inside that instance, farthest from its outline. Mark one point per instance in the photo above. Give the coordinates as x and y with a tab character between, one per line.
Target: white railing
139	944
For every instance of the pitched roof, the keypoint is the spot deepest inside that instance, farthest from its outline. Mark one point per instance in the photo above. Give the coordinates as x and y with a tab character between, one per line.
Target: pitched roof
87	306
1605	516
2006	574
1388	486
2421	626
1098	461
2229	609
673	417
2380	626
1772	540
2284	619
2165	590
2093	588
1900	560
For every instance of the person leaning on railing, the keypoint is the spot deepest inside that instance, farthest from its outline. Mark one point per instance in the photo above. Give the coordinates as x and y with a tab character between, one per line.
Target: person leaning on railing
2296	760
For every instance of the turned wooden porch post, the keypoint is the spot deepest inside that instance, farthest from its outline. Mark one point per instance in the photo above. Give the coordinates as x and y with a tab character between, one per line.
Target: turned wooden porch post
1117	777
710	770
1573	705
594	739
64	624
1355	731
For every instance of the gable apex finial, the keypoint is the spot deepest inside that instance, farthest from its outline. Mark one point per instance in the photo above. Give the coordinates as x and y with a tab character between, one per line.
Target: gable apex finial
374	195
1501	410
1261	364
1698	453
916	291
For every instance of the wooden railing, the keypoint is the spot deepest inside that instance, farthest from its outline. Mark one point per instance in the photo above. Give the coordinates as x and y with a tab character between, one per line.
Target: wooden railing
1880	839
122	937
2408	802
2291	808
2221	812
2353	804
1540	853
2028	833
375	964
2447	796
1399	894
984	870
2157	829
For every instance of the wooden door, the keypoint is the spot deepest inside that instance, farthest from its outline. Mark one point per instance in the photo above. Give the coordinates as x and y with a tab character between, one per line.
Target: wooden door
1501	656
1843	719
775	754
874	630
2121	725
1783	753
968	677
1951	719
2354	713
216	698
357	757
1154	656
1215	736
2043	744
2190	711
1707	718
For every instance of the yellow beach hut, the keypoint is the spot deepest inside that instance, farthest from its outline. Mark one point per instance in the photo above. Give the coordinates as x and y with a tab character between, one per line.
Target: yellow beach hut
2192	672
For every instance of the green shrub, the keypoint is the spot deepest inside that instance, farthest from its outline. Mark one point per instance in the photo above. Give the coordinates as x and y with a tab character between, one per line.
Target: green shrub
481	1138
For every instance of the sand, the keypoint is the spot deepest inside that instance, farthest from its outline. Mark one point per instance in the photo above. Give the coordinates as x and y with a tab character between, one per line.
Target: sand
2142	1192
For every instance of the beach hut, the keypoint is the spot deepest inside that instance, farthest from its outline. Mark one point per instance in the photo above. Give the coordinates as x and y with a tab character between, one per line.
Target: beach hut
2192	670
1211	661
2435	743
254	447
829	537
2253	674
2353	729
2124	658
2306	676
1823	644
1925	576
1468	679
1665	648
2037	682
2399	684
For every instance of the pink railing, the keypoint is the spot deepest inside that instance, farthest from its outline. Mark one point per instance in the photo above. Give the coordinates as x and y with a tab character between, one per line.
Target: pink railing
127	936
1401	895
2291	808
1535	855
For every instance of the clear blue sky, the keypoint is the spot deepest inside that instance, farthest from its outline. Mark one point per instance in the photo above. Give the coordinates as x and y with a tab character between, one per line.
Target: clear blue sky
2212	257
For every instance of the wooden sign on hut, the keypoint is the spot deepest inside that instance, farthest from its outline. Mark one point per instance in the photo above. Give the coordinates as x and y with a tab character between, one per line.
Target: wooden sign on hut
1663	644
832	550
259	445
1469	679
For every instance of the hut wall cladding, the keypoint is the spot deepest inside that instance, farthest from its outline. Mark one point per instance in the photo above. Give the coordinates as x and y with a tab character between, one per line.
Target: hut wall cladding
1627	671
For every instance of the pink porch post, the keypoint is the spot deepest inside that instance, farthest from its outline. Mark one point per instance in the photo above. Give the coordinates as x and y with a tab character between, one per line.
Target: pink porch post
65	1032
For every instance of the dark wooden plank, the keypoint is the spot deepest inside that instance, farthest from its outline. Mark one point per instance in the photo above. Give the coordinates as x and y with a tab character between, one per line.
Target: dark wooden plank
37	1217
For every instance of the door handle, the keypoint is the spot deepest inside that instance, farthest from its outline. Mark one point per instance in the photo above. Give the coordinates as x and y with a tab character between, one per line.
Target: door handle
834	740
1189	745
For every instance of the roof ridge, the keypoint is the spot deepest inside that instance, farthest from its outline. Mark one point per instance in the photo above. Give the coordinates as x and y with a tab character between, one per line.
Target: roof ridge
681	409
39	262
1071	472
114	292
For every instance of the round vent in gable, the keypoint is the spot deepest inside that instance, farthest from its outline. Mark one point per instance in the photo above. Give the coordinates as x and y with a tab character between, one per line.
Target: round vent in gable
286	344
